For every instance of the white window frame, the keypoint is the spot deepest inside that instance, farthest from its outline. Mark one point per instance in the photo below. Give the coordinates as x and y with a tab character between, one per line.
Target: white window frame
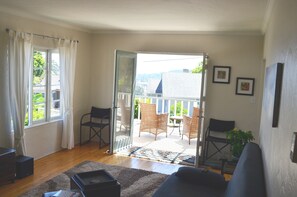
48	91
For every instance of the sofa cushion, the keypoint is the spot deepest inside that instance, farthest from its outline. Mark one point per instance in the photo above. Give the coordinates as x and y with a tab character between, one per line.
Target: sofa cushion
177	187
202	177
248	177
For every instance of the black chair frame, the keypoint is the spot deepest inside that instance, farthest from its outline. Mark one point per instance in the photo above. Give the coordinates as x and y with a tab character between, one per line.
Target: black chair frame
96	120
216	126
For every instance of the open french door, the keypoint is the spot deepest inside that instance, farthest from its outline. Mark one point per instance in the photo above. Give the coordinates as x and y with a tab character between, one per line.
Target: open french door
123	99
200	139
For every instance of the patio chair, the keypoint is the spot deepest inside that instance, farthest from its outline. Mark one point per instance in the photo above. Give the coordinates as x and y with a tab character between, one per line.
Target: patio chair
191	125
96	121
125	115
151	121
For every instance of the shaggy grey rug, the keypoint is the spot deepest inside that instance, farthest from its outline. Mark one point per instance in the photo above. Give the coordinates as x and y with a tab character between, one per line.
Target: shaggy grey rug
133	182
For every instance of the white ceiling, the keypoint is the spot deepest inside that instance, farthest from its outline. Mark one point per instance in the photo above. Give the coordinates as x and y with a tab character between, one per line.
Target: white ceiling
190	16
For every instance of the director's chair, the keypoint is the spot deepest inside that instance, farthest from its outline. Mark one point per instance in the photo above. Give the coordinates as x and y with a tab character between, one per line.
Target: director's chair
96	120
216	126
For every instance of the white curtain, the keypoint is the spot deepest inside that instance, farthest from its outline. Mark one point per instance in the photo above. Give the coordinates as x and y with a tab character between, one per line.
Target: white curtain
20	65
5	120
67	49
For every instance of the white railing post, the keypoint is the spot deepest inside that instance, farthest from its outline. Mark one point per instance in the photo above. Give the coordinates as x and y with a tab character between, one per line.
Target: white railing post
188	108
168	106
163	105
171	101
181	107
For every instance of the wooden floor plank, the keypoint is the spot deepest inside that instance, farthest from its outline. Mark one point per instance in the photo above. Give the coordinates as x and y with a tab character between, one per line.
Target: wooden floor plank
54	164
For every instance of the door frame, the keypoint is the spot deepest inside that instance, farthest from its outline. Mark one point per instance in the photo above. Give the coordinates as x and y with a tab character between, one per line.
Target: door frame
202	106
200	133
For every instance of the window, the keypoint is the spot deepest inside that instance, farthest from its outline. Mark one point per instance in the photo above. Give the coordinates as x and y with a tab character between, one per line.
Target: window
45	90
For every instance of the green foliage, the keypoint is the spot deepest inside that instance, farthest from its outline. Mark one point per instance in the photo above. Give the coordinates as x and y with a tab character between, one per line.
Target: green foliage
27	119
178	110
38	98
38	63
37	115
198	69
38	67
238	139
136	107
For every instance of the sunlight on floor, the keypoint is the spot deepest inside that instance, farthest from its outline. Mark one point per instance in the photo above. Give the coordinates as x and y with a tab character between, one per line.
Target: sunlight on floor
173	142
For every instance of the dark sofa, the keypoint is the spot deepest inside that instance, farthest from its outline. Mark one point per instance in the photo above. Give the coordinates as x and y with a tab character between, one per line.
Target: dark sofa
247	179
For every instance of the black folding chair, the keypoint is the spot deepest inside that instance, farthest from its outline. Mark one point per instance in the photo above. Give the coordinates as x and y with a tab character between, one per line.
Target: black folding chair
216	126
96	120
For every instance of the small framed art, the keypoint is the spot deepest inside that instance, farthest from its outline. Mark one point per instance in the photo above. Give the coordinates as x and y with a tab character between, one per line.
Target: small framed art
273	91
221	74
245	86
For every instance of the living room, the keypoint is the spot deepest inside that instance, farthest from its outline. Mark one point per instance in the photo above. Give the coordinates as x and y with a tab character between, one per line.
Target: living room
248	53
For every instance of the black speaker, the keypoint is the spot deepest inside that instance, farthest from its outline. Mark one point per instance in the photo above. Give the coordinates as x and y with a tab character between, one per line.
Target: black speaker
24	166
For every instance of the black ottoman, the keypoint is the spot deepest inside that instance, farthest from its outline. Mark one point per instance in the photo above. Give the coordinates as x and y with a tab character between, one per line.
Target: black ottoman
24	166
96	183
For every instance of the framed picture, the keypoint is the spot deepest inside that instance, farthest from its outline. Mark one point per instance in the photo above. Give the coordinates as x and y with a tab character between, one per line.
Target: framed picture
245	86
221	74
272	92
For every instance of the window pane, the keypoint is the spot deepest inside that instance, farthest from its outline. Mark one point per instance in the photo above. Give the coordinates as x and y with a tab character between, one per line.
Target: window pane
38	111
38	95
38	103
55	103
55	86
55	69
39	68
45	98
27	116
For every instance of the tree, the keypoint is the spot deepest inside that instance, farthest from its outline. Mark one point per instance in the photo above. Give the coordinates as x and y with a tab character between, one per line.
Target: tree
38	67
39	63
198	69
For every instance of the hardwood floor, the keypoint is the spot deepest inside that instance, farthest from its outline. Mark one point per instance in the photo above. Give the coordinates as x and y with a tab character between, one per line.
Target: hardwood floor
52	165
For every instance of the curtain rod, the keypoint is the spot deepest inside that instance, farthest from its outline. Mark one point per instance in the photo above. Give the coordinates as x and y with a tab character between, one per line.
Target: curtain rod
44	36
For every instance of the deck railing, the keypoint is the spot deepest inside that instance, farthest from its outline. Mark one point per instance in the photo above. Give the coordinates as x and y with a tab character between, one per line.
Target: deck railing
172	106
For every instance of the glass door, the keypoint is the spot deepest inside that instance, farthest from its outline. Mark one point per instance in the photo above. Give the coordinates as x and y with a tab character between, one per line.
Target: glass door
199	147
123	101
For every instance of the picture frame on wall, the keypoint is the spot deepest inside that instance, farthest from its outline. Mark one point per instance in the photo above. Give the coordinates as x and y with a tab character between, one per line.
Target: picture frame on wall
277	95
221	74
272	92
245	86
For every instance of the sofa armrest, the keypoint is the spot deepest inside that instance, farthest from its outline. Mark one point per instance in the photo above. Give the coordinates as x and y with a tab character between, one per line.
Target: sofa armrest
202	177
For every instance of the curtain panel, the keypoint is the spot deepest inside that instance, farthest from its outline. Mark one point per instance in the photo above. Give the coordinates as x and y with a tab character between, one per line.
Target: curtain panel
67	50
20	65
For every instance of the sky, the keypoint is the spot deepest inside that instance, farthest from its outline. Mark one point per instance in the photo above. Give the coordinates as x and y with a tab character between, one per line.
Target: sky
159	63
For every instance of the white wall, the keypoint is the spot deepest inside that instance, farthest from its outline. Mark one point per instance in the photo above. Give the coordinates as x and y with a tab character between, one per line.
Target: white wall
281	46
45	139
242	52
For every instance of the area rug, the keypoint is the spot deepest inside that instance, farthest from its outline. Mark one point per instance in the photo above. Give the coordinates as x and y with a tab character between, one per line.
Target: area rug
134	182
158	155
